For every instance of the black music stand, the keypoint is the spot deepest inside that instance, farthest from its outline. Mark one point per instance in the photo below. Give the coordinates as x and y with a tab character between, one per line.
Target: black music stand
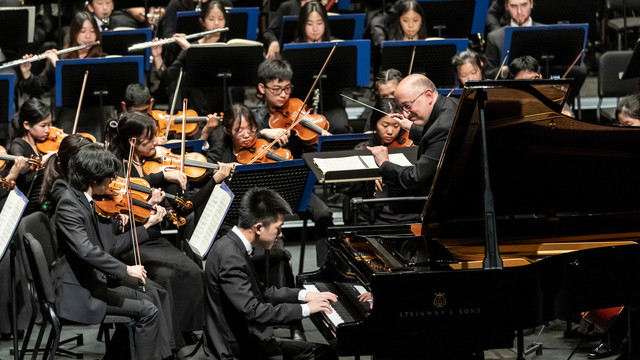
633	69
567	12
222	65
432	58
449	19
103	88
118	43
551	45
17	27
341	142
291	179
7	104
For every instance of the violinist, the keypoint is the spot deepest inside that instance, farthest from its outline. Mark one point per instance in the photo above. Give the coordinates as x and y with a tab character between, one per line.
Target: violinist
468	66
30	126
88	278
525	68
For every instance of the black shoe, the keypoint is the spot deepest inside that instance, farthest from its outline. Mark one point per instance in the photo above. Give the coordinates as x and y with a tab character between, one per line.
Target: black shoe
298	335
599	352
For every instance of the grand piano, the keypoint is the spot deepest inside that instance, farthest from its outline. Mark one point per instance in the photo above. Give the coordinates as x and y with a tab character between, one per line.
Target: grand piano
533	219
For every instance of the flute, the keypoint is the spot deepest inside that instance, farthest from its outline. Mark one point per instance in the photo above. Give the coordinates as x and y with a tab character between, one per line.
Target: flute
149	44
43	56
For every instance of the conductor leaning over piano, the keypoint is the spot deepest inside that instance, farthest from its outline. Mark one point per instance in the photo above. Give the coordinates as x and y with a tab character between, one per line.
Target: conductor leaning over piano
239	312
428	117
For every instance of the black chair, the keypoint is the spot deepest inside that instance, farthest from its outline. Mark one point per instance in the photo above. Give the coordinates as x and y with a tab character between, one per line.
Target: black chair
610	67
46	298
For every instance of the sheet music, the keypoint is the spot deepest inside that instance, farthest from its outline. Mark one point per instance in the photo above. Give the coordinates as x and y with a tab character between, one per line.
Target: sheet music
10	217
340	164
211	220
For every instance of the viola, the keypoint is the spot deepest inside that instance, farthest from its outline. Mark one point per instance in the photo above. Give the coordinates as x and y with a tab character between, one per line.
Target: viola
257	146
34	162
196	164
310	126
402	140
141	187
52	143
114	202
191	126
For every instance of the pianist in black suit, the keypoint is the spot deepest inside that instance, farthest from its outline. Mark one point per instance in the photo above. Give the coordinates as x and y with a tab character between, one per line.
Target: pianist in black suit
239	312
428	117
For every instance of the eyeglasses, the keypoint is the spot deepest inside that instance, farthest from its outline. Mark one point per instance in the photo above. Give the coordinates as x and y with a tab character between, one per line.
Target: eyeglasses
406	107
278	90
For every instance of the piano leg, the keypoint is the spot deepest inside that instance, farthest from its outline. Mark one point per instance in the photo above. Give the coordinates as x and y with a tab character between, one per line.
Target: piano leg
520	346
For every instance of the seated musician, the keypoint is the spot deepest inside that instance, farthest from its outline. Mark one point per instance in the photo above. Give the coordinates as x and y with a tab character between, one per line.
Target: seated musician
272	35
88	277
525	68
166	265
384	87
239	312
468	66
313	27
520	13
101	10
427	116
168	23
628	111
409	24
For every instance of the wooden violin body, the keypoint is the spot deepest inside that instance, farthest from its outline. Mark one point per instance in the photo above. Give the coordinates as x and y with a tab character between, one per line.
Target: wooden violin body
257	146
402	140
52	143
191	126
310	126
196	164
141	186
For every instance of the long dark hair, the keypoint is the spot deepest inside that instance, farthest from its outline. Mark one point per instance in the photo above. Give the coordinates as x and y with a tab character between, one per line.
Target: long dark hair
74	28
92	163
384	77
206	8
32	111
129	124
389	106
402	8
305	12
57	165
233	114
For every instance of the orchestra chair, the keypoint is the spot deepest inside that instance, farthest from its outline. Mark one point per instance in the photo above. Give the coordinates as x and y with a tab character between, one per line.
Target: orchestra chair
43	282
618	24
610	68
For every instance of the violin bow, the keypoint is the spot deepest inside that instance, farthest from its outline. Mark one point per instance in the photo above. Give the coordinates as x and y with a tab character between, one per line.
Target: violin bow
132	221
184	122
84	84
564	76
413	55
501	65
173	104
298	118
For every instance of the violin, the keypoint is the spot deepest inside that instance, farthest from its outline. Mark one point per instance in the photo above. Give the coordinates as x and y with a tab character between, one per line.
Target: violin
114	202
310	126
191	126
34	162
196	164
141	187
257	146
52	143
402	140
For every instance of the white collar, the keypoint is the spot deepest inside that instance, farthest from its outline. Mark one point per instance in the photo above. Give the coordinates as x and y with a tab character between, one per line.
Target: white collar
89	198
528	23
245	242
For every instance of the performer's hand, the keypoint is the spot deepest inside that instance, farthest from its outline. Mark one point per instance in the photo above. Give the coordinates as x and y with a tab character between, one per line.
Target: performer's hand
155	217
365	297
19	164
326	133
123	219
176	176
138	272
319	305
138	13
273	51
223	172
157	195
52	55
379	185
46	157
181	39
212	123
325	295
273	134
161	140
380	154
25	68
404	122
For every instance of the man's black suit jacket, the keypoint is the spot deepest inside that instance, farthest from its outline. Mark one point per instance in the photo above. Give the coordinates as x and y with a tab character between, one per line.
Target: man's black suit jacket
238	314
88	244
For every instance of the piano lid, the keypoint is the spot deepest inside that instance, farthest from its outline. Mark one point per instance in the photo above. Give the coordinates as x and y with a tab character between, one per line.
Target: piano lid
545	168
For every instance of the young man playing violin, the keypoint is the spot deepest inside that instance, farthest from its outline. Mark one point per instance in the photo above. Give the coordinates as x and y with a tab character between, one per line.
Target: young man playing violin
89	279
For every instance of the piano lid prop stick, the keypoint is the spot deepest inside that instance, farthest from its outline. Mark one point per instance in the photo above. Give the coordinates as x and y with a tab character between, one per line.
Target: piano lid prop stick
573	64
501	65
365	105
84	84
413	55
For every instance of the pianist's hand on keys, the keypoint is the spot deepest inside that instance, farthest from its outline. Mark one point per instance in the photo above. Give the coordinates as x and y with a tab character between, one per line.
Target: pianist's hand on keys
320	301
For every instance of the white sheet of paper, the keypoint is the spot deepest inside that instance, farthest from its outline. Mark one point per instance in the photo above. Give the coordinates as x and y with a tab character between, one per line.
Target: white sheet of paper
339	164
211	220
400	159
10	216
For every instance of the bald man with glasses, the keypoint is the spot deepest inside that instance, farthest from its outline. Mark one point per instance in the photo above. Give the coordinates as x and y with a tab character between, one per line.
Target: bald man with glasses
428	118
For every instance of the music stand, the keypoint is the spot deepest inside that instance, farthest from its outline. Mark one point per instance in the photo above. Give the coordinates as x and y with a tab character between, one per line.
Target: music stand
343	27
243	23
106	84
633	69
7	105
432	59
118	42
348	67
219	64
455	18
120	4
17	26
189	146
567	12
341	142
551	45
